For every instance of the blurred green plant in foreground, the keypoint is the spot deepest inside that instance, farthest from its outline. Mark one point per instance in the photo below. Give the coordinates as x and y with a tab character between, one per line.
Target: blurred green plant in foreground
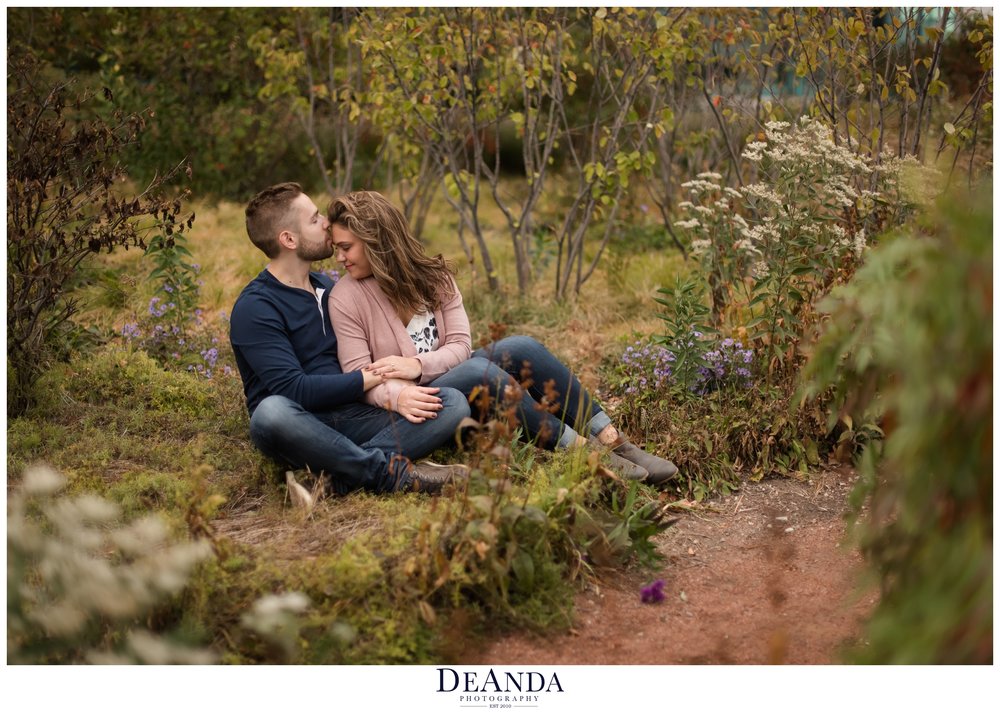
909	344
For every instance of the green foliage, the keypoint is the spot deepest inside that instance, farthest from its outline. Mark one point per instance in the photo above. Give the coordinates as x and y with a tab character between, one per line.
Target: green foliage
727	434
640	522
64	203
910	343
176	278
172	328
685	322
118	375
803	229
192	74
502	552
312	66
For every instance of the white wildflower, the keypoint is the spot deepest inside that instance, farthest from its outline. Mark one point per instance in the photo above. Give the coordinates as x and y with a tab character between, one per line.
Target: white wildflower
687	224
152	650
698	186
700	245
41	480
754	150
704	210
859	242
746	246
762	192
141	535
291	602
774	130
277	618
708	175
762	233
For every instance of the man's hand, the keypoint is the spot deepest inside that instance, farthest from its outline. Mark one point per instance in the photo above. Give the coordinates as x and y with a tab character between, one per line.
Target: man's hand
408	369
418	403
371	379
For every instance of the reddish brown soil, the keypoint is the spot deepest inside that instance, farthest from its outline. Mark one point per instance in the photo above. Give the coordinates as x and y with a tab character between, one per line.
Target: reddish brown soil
759	577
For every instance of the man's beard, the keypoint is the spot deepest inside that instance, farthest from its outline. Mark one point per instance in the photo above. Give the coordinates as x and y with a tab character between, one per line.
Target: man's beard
314	253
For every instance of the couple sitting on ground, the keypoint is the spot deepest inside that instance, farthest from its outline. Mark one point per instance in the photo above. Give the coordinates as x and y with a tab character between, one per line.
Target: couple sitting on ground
360	381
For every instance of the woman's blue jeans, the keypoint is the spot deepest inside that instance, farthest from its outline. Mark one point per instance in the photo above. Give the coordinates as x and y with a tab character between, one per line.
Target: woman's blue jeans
554	406
359	446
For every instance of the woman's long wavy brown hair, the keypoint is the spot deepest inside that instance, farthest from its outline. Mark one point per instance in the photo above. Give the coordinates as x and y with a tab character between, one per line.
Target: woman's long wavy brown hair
411	279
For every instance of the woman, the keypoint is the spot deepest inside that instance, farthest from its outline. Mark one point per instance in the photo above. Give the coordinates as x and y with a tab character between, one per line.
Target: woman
399	313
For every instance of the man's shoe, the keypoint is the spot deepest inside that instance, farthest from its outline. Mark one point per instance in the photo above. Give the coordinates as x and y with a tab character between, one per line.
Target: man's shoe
430	477
660	471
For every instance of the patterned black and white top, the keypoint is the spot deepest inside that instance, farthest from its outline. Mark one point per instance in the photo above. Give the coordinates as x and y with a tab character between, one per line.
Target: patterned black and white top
424	332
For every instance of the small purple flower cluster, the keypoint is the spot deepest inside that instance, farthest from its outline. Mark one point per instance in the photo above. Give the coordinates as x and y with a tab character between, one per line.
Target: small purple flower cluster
176	340
209	357
645	366
157	310
653	593
648	368
727	363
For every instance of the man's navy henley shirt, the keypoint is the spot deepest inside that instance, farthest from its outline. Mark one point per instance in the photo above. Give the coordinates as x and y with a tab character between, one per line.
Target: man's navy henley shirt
285	345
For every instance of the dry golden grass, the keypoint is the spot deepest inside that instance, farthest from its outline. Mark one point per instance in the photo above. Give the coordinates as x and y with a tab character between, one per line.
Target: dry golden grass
290	534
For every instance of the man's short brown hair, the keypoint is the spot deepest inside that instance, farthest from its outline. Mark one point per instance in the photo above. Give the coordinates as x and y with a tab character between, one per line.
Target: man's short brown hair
269	213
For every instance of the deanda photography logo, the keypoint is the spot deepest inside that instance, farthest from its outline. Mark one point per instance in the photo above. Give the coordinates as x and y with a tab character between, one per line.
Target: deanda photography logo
497	689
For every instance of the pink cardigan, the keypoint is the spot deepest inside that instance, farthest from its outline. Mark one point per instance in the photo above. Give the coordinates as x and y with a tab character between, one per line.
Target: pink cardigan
368	328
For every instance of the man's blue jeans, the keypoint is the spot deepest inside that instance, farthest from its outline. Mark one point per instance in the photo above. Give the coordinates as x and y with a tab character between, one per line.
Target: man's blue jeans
357	445
523	360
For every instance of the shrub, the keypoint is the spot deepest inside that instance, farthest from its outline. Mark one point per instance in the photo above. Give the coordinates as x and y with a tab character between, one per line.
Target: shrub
909	344
774	246
65	201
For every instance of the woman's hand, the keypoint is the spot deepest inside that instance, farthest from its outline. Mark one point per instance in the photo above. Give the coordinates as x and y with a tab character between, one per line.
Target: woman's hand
408	369
418	403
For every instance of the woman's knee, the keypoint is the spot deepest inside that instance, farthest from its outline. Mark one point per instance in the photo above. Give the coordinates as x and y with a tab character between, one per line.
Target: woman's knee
455	404
517	354
519	346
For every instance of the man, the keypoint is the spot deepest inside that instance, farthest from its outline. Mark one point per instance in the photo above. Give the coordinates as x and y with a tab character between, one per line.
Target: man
304	409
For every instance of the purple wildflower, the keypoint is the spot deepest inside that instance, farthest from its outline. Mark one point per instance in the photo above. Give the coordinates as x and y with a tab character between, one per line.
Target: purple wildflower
131	331
155	309
210	356
653	593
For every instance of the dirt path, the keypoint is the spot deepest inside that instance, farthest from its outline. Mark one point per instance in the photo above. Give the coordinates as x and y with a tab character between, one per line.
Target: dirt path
759	577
